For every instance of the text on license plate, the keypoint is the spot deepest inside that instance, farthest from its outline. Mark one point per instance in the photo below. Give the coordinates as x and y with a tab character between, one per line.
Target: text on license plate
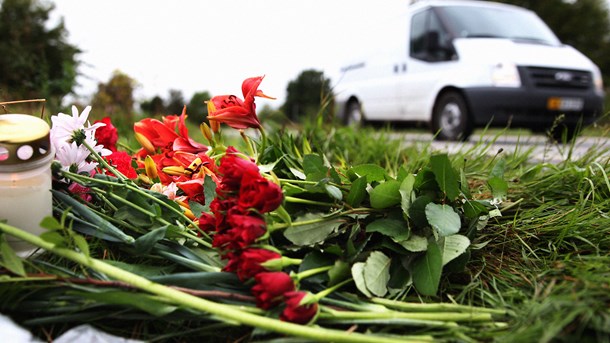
564	104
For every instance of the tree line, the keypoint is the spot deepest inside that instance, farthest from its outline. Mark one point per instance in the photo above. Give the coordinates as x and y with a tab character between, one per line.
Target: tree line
37	61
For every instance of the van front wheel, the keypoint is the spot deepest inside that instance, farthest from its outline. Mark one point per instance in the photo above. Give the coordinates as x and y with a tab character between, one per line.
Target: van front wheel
353	114
450	120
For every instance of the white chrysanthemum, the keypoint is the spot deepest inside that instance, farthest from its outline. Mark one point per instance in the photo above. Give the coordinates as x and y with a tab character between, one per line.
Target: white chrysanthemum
73	157
92	142
66	126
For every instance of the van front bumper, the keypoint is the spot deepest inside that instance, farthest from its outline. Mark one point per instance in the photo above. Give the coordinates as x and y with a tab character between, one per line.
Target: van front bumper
532	108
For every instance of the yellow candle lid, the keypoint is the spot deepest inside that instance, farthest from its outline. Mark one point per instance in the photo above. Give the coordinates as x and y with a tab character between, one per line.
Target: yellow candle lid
24	139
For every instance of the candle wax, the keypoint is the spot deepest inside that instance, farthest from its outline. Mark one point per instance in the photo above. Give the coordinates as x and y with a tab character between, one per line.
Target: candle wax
25	199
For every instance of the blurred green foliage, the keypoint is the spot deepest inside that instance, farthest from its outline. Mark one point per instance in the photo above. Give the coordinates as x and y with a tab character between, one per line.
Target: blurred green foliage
36	61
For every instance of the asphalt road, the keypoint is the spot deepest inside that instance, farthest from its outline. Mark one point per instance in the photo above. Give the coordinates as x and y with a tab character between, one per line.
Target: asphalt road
542	149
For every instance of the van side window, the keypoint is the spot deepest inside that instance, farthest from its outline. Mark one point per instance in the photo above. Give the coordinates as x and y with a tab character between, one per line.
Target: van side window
429	41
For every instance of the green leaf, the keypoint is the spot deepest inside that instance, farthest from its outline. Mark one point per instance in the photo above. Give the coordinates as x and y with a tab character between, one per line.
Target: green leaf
399	276
407	195
377	273
209	191
425	180
197	208
496	182
10	260
339	272
443	219
453	246
445	175
473	209
50	223
133	216
313	233
426	270
298	174
147	241
417	211
143	269
464	185
313	164
372	172
333	191
357	192
498	169
385	195
53	237
81	243
358	275
396	229
499	187
144	302
102	225
415	243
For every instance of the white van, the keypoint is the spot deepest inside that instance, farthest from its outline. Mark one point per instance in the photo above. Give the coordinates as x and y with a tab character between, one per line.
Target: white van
459	65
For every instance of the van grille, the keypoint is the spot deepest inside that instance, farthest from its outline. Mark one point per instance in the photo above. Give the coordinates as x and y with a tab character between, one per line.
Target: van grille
558	78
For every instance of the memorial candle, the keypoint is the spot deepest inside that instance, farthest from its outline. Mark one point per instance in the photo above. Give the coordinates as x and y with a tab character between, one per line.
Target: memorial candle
25	175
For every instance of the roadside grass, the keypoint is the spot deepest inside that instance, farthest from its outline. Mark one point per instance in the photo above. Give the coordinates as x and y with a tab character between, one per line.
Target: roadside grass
546	260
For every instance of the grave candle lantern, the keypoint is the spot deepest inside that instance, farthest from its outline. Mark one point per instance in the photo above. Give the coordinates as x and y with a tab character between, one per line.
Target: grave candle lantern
25	175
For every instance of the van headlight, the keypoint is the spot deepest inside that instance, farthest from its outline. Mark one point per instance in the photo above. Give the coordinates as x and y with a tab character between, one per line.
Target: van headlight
505	74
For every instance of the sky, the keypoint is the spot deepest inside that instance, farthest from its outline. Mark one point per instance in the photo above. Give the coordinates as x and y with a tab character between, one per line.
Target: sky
213	45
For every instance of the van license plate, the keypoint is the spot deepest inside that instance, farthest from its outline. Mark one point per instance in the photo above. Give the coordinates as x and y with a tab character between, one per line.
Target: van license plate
564	104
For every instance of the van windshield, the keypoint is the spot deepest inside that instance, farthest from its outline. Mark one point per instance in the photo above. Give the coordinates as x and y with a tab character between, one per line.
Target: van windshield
487	22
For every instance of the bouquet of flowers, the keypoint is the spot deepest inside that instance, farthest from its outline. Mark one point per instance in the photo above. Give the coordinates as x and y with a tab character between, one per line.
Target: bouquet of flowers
273	237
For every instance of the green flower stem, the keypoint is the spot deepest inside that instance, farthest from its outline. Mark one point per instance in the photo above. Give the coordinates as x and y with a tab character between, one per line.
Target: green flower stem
172	209
355	305
280	226
311	183
311	272
329	290
185	300
84	179
194	238
263	143
105	164
134	206
248	142
308	202
425	316
419	307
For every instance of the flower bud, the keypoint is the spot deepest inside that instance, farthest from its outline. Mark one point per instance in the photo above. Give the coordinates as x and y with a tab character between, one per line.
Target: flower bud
207	133
174	170
215	125
144	142
150	167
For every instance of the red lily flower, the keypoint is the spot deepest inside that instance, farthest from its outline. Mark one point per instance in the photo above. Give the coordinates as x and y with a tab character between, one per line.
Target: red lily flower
184	142
235	112
154	134
158	134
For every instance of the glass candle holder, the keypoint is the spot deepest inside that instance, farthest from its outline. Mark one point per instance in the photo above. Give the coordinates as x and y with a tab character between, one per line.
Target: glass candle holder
25	175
